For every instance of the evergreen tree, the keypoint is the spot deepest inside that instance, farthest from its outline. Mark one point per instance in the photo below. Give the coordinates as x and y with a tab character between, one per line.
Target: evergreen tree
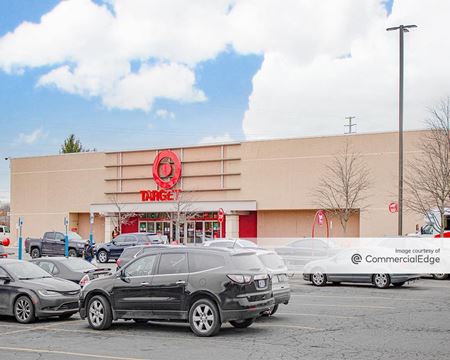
71	145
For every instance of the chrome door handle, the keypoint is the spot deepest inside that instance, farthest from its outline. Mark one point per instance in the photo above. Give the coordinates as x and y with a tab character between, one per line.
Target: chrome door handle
145	283
180	282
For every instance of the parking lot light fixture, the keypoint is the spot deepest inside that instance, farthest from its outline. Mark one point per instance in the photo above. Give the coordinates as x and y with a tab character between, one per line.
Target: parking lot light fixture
402	29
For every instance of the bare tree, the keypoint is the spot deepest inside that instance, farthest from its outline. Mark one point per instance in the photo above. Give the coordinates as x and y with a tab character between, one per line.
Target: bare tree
4	213
121	216
182	211
342	189
427	181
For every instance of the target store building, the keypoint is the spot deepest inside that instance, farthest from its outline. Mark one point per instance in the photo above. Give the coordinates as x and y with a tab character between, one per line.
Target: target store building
264	188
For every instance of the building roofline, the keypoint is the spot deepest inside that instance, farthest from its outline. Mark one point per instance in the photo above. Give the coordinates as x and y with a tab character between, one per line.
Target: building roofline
175	147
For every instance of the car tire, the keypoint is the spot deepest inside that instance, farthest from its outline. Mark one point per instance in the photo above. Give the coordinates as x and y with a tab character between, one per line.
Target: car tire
318	279
102	256
204	318
381	281
35	253
99	313
65	316
399	284
440	276
273	310
242	324
72	253
24	310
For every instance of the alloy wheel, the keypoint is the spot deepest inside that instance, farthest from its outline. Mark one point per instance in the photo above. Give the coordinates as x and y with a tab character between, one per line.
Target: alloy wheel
318	278
203	318
23	309
96	313
381	280
102	257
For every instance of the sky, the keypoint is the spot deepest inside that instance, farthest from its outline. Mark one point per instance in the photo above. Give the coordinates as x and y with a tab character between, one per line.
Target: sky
126	74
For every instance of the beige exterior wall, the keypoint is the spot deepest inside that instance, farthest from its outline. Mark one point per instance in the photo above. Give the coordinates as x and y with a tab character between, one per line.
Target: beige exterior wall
279	175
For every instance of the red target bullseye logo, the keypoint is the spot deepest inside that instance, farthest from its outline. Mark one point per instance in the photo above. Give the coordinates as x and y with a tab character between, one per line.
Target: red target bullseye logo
166	164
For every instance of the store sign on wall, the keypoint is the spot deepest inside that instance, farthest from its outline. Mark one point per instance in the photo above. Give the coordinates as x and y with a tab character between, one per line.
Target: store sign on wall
166	174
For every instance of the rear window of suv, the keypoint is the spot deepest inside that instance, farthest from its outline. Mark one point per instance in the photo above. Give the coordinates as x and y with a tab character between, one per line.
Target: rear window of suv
202	262
272	261
247	262
131	251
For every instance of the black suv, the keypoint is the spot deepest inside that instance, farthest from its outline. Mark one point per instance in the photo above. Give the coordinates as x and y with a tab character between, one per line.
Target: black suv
113	249
203	286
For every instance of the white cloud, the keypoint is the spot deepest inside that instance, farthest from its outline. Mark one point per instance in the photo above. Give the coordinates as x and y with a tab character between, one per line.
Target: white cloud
304	87
323	60
90	49
31	138
165	114
217	139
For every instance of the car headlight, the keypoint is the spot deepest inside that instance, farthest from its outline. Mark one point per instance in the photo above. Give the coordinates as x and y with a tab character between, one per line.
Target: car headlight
48	293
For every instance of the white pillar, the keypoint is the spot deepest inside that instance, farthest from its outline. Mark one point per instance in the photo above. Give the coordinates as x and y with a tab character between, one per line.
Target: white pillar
232	226
109	227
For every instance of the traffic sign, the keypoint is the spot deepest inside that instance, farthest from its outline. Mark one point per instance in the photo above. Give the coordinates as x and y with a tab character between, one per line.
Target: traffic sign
221	215
393	207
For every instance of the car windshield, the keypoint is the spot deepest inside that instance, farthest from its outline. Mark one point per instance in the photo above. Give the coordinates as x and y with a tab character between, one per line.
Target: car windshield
74	236
75	264
272	261
247	262
25	270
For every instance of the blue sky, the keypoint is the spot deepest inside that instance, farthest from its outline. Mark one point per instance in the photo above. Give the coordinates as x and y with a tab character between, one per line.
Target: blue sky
222	70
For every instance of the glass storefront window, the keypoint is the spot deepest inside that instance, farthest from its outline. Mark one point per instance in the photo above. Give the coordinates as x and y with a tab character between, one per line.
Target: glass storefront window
199	231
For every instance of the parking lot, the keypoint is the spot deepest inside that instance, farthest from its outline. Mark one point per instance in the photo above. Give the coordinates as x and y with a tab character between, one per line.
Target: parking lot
332	322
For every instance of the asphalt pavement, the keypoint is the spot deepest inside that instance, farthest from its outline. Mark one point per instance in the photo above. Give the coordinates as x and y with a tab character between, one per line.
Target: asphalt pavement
332	322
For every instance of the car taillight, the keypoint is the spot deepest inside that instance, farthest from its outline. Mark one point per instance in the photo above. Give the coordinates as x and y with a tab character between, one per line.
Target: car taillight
5	255
84	280
119	262
240	279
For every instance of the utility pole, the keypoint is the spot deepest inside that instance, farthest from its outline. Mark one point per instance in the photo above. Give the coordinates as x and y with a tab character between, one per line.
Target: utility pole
402	29
349	125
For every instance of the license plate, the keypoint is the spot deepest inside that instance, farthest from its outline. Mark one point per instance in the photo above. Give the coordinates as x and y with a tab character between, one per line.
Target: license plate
261	283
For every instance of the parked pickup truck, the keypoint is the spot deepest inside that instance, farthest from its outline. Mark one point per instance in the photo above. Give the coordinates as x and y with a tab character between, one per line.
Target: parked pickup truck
52	244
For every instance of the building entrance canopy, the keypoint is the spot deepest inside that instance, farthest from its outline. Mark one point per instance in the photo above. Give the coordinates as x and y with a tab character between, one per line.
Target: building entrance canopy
172	206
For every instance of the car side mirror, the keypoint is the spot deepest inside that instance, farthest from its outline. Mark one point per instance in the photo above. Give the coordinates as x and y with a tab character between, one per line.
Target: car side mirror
123	277
5	278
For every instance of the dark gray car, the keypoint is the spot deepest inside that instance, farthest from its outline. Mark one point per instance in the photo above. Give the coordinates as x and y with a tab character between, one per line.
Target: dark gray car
27	292
73	269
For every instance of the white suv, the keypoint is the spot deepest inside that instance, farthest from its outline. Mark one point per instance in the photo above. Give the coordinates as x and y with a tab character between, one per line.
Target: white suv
4	232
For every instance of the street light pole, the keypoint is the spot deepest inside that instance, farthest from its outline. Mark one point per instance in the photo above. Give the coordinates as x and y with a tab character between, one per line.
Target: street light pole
402	29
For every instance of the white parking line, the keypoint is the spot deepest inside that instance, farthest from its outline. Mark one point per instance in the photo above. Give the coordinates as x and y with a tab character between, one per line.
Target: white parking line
298	327
319	315
355	297
57	352
350	306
